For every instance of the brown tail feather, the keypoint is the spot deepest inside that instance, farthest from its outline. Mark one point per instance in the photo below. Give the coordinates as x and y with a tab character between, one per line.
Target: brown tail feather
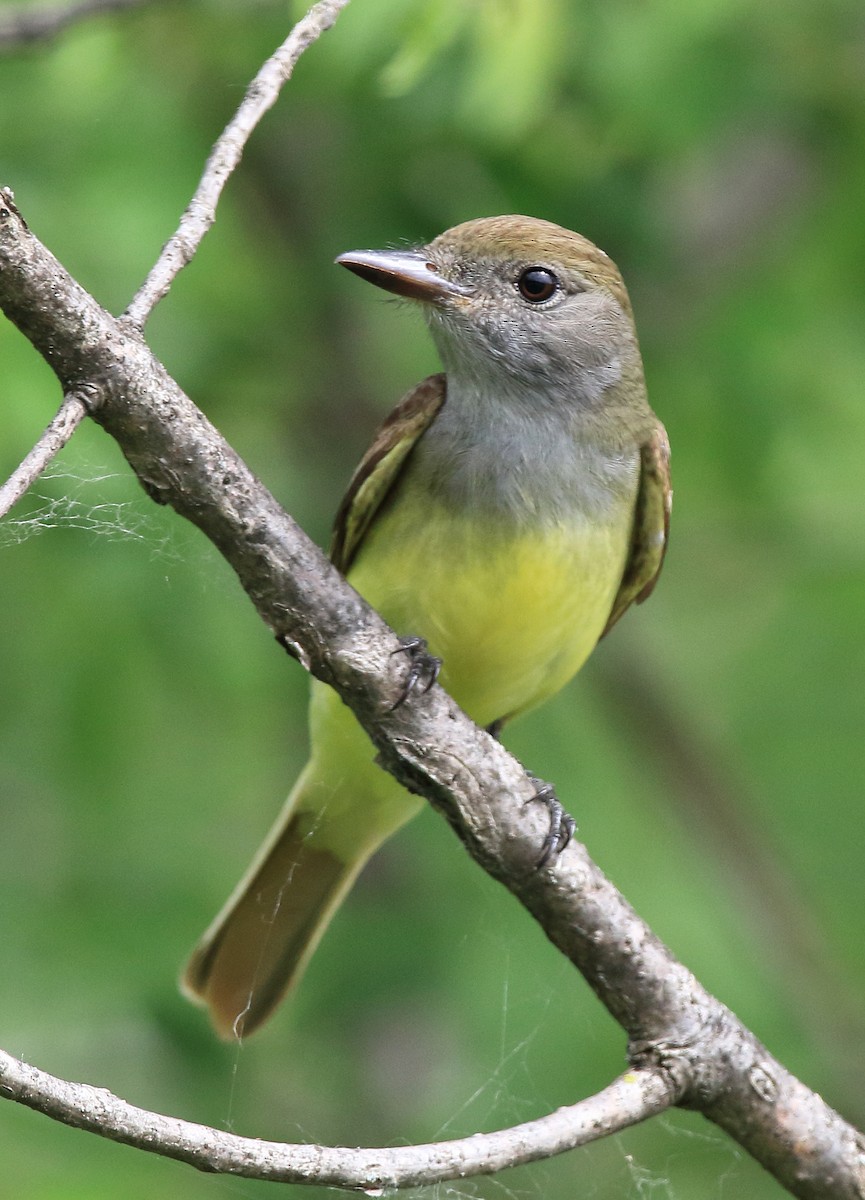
259	944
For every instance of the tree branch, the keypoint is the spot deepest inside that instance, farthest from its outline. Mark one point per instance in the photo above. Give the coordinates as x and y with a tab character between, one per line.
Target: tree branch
69	416
24	25
710	1061
200	213
262	93
629	1099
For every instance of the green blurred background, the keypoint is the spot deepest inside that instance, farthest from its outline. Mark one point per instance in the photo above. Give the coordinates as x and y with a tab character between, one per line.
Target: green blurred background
712	750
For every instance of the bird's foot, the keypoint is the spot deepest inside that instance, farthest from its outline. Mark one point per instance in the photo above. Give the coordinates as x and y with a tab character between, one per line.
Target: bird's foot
562	824
423	669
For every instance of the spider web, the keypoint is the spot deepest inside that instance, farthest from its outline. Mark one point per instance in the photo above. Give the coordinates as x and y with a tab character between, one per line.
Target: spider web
74	506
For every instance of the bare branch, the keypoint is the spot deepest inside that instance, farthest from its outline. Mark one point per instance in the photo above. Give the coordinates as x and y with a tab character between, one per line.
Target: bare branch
629	1099
24	25
262	93
200	213
69	416
712	1062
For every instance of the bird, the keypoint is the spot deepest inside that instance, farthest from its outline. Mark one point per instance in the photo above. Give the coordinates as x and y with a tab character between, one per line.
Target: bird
506	514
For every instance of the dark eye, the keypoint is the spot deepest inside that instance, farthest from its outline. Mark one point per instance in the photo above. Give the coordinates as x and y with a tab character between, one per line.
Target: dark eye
537	284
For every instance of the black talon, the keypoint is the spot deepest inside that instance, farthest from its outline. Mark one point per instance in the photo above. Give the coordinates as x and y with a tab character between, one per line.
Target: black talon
562	824
423	668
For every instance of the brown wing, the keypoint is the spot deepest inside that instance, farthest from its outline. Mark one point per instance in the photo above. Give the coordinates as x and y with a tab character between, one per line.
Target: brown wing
651	526
380	467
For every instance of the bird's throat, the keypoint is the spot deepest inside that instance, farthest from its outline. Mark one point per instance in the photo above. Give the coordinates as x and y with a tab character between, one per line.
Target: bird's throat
520	460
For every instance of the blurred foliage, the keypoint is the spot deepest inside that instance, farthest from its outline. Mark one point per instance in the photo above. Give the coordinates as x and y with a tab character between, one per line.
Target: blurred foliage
712	751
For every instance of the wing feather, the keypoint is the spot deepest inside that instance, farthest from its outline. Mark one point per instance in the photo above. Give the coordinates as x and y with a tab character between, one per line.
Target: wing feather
381	466
651	526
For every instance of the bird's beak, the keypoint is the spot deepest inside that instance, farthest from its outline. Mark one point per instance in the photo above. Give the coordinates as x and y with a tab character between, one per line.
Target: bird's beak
406	272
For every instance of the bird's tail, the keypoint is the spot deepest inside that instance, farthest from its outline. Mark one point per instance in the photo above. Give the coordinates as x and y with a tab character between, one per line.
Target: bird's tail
340	811
261	941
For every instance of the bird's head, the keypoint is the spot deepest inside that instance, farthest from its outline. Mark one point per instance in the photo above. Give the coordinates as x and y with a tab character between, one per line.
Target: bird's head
517	299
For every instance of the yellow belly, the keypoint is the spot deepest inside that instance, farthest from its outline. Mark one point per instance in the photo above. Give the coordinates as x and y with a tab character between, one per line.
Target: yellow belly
512	617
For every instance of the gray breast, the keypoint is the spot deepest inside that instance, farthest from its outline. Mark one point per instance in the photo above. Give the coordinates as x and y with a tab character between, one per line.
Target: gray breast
526	461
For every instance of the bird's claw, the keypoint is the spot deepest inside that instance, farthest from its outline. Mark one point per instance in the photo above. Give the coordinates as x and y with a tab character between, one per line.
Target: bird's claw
562	824
423	669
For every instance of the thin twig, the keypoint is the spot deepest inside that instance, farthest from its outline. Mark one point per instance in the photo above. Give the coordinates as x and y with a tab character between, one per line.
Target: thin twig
24	25
633	1097
200	213
69	416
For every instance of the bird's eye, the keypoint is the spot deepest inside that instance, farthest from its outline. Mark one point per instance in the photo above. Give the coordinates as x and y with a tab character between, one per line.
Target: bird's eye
537	284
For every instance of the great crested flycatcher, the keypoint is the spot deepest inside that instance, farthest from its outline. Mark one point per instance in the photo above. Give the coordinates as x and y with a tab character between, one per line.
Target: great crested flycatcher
508	511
